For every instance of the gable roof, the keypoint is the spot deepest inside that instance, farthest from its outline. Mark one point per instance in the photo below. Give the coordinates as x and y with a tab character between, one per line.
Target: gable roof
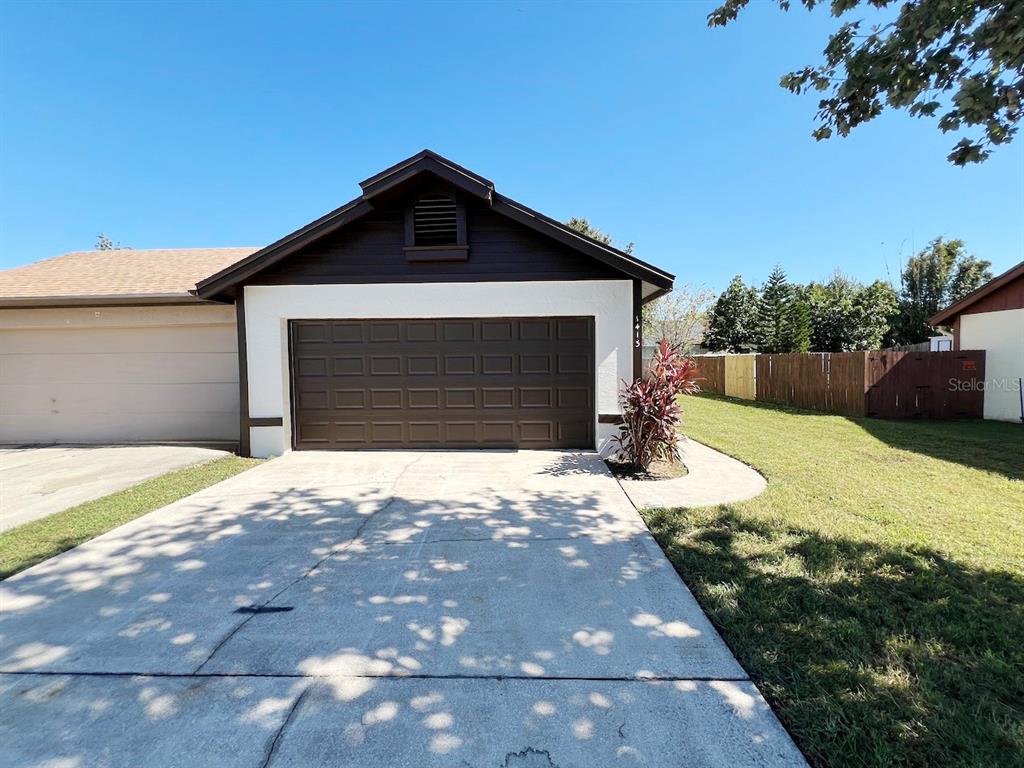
121	275
375	189
993	285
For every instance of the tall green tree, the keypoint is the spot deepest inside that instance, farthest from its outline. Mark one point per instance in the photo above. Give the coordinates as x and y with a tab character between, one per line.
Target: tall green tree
847	315
776	293
960	61
732	320
831	307
796	325
583	226
874	310
932	279
969	274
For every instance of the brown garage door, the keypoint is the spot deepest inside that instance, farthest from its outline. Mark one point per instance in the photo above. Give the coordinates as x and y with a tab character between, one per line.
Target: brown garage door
451	383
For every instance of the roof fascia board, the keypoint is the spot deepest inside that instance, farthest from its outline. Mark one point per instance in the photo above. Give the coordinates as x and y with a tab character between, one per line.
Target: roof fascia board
103	300
610	256
426	153
273	253
454	176
991	286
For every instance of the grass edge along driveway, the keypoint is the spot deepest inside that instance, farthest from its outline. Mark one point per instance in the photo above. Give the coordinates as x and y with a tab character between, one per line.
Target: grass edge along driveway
875	591
41	539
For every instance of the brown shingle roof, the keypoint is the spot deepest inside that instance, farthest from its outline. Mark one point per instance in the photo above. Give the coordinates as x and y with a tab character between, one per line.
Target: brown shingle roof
120	273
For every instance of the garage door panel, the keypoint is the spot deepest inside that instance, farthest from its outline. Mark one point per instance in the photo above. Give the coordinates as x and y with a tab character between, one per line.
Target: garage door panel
486	382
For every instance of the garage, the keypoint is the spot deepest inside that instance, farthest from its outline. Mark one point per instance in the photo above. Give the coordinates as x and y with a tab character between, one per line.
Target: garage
429	311
525	382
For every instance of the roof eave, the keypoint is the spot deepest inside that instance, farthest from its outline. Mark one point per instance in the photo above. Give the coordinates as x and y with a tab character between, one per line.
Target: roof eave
613	257
944	316
102	300
216	285
256	262
454	174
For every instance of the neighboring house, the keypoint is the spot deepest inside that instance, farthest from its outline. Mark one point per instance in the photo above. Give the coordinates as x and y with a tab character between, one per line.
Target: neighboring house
429	312
992	318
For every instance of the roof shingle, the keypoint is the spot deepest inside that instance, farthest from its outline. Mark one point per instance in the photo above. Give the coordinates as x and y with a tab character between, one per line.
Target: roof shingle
119	272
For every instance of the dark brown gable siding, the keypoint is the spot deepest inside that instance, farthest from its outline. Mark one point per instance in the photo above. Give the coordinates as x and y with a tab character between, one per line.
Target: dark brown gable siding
1009	296
371	251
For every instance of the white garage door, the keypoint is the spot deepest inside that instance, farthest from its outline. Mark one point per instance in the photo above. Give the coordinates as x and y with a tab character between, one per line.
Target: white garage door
123	374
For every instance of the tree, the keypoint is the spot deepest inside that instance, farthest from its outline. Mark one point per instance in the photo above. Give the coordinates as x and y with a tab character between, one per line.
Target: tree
848	316
874	309
795	333
104	243
680	317
771	312
931	280
732	319
970	274
585	227
831	307
959	60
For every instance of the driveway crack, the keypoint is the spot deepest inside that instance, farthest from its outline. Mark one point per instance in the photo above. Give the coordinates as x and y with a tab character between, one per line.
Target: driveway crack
272	749
312	569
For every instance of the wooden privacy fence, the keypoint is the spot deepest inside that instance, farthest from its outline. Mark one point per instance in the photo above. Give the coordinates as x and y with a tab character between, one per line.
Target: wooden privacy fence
740	379
891	385
711	373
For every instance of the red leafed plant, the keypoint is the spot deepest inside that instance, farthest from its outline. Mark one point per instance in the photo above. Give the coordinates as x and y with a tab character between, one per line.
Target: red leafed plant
651	410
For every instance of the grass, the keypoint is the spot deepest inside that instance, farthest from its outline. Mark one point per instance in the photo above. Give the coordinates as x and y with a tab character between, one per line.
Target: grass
875	591
33	542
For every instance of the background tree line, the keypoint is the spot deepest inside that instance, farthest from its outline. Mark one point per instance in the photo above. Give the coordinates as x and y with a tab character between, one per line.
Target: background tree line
840	315
843	314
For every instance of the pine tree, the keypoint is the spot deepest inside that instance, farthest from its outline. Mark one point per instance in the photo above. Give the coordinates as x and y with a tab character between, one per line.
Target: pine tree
732	319
796	326
771	308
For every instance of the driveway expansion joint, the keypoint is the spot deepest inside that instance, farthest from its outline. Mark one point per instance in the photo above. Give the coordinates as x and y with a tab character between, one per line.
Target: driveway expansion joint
411	676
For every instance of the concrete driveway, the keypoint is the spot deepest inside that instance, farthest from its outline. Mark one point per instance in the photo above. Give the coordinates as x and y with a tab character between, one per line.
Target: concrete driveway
485	609
37	481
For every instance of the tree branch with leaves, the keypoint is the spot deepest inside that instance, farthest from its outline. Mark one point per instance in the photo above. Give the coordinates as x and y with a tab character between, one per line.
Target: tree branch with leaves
960	61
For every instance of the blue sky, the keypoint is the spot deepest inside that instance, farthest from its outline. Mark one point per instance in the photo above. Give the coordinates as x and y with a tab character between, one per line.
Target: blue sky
181	125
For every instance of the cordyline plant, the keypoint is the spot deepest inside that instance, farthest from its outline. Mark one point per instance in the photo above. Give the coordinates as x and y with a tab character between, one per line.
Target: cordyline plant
651	410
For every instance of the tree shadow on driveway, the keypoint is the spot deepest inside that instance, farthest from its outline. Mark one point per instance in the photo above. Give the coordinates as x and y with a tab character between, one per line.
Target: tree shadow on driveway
422	605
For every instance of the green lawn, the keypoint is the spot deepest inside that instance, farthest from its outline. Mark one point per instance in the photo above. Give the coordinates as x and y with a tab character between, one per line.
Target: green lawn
31	543
875	591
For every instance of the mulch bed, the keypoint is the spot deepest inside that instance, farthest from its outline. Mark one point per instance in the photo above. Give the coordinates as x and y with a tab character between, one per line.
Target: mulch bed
659	470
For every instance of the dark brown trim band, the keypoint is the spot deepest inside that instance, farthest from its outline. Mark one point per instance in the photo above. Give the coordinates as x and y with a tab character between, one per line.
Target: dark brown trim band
609	418
638	330
243	378
266	421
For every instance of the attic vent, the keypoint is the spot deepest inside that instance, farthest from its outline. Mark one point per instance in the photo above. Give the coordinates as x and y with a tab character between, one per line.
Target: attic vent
435	220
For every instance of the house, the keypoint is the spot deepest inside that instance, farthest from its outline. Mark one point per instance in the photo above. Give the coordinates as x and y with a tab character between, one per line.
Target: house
992	318
429	312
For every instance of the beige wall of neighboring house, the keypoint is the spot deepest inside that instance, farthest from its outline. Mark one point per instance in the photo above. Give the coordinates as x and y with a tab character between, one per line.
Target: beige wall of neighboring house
1001	335
118	374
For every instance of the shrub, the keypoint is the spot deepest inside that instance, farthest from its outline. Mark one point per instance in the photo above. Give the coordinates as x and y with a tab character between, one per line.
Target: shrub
651	410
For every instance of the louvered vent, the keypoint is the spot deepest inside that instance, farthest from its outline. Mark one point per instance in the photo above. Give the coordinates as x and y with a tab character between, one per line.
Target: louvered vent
435	221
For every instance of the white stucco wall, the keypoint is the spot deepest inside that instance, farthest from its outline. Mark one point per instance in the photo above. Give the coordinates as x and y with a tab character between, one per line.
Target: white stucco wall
1001	335
269	308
